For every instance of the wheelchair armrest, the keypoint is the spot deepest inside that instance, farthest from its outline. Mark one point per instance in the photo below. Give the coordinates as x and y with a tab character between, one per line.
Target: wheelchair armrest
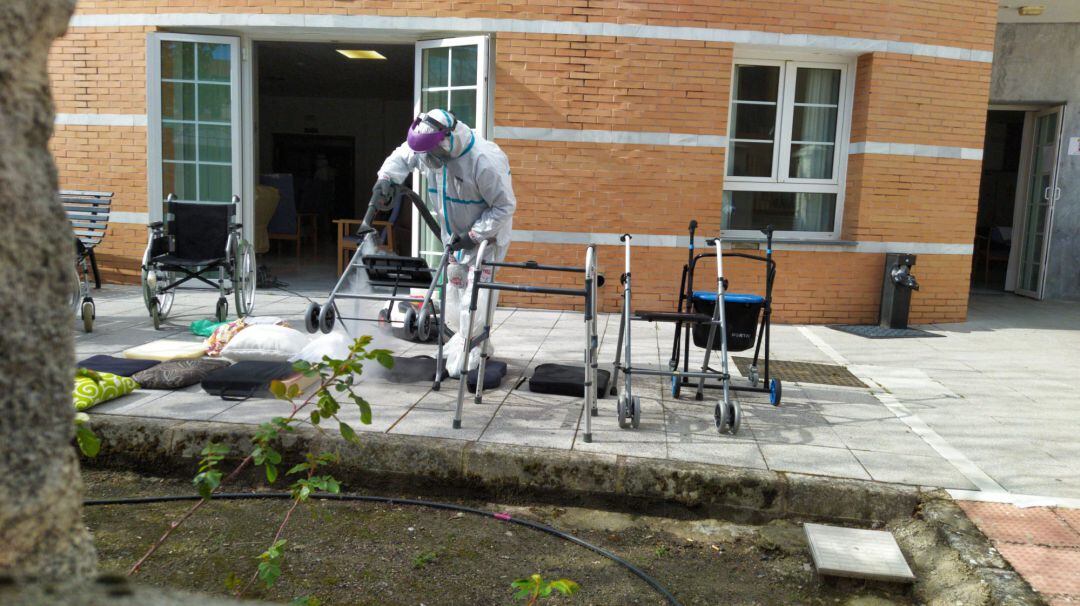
157	225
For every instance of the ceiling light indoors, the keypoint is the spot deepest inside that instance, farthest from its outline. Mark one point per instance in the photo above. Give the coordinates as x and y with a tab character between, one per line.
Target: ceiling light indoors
1031	11
361	54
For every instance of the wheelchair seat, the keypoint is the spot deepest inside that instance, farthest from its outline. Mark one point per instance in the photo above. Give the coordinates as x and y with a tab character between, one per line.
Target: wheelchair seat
176	260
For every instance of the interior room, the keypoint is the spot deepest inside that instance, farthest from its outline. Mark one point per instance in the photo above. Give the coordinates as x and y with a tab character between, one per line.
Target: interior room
997	199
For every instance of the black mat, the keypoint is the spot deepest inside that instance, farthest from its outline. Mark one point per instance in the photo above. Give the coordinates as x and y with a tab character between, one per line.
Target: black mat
802	372
566	380
881	332
415	369
494	372
122	367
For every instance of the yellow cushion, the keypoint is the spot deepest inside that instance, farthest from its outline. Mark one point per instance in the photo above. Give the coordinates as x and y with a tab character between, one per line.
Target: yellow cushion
166	349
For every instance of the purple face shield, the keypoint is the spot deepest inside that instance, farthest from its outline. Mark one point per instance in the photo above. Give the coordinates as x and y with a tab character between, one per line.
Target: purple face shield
423	142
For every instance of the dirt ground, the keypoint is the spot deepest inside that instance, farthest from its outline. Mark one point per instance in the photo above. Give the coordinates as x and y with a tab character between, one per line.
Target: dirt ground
378	554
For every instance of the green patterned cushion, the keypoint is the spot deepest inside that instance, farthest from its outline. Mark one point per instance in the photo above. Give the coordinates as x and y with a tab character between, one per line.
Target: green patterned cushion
89	393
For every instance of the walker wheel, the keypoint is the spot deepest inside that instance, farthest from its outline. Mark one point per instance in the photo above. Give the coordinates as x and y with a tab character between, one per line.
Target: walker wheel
753	376
425	326
411	325
88	316
621	407
326	318
721	416
384	318
311	317
635	411
775	392
155	314
736	416
676	386
221	312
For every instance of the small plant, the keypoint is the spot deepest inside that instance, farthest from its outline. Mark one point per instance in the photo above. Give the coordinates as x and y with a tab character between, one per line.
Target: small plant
88	442
534	588
337	380
661	551
424	559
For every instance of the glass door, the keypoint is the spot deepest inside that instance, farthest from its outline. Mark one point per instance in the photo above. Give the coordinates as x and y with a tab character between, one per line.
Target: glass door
450	74
1041	194
193	107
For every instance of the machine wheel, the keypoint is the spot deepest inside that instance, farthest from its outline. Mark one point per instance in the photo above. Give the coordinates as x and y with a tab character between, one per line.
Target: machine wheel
676	386
775	392
243	279
426	326
221	311
155	315
721	417
311	317
621	407
88	316
410	323
635	411
327	318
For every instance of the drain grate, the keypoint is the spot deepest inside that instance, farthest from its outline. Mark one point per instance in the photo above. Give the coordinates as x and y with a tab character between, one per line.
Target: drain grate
803	372
882	332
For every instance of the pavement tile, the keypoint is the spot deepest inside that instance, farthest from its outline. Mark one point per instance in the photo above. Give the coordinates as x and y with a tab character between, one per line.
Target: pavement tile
912	469
1050	570
815	460
186	405
1004	523
720	451
440	423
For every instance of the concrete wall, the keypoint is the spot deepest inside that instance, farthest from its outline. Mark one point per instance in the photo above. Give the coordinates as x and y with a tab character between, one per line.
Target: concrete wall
1040	63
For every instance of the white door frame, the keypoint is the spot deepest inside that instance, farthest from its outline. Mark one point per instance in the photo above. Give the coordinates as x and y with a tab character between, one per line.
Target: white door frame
1051	194
153	115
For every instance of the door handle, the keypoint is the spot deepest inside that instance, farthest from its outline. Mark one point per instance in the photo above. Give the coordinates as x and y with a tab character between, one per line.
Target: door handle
1046	194
1057	194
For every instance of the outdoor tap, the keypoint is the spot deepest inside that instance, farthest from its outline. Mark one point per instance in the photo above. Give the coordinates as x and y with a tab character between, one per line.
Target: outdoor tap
901	275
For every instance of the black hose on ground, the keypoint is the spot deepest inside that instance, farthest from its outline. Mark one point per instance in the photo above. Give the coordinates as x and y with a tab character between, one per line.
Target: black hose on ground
414	502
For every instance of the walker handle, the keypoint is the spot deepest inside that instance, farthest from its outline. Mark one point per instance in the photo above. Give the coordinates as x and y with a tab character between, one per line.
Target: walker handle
625	237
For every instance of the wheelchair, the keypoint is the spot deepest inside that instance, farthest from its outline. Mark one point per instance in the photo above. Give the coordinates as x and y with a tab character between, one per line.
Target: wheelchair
194	240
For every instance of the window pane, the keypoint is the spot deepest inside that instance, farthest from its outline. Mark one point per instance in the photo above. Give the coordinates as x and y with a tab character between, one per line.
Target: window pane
815	85
463	66
755	121
463	105
436	67
811	161
436	100
757	82
214	102
177	101
178	141
179	180
177	60
751	159
815	124
215	143
215	183
785	211
214	62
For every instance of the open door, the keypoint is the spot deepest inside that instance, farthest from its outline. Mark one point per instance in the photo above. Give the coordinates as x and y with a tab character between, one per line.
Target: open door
193	103
452	74
1037	211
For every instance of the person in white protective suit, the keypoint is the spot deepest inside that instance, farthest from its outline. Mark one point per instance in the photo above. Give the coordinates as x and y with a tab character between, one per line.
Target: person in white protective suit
469	185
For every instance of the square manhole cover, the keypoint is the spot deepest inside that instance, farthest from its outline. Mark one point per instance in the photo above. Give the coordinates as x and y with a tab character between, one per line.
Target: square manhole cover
857	553
803	372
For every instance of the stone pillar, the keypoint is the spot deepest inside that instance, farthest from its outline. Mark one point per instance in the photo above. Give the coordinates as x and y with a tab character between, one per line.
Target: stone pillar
41	529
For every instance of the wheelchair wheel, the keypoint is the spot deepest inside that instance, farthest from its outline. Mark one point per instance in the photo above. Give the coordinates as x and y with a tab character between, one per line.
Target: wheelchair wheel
155	316
411	323
326	318
243	278
775	392
221	311
88	316
311	317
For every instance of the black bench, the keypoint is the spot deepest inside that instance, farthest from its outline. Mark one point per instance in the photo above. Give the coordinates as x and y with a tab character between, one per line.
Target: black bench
88	212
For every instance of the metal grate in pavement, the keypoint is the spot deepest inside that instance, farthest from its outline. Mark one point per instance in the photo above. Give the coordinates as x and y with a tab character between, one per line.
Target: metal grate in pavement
803	372
882	332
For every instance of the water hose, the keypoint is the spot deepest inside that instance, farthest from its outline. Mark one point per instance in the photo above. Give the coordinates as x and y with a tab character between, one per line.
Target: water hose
505	517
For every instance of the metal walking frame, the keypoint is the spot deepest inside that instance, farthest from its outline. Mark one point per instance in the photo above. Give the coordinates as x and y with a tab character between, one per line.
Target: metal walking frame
323	317
592	281
727	414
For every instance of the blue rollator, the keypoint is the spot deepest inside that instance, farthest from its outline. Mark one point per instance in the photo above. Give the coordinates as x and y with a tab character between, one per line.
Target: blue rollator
715	320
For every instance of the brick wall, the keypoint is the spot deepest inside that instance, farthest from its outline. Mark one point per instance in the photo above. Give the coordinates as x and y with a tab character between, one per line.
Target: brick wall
638	85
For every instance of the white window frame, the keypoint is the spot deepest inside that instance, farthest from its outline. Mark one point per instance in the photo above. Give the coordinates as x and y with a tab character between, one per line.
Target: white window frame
780	181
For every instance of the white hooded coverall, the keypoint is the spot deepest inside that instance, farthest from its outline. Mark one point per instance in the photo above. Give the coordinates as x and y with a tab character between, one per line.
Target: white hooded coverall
472	192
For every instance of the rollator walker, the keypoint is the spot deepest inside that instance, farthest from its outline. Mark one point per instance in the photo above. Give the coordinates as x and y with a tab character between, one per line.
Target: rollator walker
397	274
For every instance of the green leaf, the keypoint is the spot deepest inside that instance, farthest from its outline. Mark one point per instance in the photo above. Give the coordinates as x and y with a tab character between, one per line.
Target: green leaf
271	473
292	391
278	389
301	365
565	586
88	442
206	482
383	357
269	573
315	417
348	433
232	582
297	468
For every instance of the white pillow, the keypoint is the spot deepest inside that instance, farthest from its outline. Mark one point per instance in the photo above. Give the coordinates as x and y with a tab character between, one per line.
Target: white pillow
335	345
265	342
167	349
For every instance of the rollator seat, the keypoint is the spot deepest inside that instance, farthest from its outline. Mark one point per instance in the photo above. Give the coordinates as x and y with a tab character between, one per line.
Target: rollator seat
566	380
494	372
741	310
402	272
